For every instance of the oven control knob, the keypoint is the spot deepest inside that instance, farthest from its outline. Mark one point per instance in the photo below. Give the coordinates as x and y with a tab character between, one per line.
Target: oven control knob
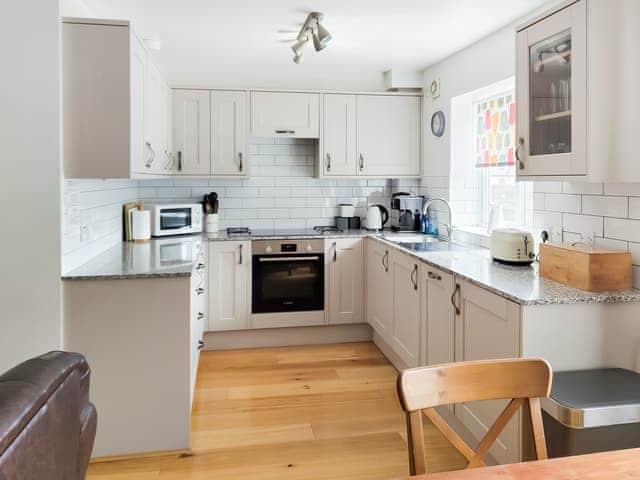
268	249
309	247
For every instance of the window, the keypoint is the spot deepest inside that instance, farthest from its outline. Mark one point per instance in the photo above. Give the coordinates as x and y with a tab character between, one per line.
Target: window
483	187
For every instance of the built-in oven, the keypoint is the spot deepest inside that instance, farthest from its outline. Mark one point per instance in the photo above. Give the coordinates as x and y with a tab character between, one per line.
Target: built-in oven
287	276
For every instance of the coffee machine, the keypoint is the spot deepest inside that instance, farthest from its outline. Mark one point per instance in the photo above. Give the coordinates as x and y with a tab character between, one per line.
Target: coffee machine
406	212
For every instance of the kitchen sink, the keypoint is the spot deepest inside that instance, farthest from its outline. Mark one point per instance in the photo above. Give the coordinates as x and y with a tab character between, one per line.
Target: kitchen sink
413	238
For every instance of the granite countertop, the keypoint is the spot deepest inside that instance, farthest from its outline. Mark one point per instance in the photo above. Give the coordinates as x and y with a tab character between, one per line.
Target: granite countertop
520	284
130	260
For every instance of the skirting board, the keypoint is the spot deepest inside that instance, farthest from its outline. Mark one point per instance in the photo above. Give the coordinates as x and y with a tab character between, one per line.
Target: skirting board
284	337
388	352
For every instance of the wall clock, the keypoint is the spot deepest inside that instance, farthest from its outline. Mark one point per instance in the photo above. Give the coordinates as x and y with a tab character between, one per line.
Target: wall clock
437	123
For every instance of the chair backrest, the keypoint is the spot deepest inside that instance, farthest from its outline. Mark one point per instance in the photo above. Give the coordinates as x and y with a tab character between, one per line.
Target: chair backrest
422	389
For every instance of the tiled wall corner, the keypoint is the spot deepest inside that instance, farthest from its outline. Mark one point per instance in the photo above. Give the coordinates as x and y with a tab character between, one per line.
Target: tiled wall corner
605	215
92	217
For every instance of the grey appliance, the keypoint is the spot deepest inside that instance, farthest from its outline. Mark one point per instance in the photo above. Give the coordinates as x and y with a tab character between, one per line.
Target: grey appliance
592	411
406	212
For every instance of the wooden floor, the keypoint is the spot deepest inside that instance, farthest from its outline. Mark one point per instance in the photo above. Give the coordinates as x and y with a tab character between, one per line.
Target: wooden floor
312	412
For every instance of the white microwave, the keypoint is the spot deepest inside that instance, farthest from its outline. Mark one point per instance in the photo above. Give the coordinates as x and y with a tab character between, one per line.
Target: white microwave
175	219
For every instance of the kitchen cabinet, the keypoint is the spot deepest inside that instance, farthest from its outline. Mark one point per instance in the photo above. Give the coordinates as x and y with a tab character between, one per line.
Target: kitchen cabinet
229	133
104	80
439	316
576	92
487	328
379	287
388	135
198	308
345	259
156	114
191	132
285	114
338	139
229	285
406	328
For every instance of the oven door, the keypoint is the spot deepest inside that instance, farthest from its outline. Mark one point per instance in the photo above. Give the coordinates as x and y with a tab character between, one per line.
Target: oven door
288	283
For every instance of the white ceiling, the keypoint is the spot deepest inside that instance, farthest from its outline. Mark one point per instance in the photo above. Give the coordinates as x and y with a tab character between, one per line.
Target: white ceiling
209	41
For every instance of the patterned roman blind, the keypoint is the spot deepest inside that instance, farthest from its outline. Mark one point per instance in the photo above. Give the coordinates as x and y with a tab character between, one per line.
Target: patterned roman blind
495	131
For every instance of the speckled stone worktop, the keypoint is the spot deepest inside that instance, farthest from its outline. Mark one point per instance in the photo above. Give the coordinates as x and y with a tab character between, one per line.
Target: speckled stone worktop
129	260
520	284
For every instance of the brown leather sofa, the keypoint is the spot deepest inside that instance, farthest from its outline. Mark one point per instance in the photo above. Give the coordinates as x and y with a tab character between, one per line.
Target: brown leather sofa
47	425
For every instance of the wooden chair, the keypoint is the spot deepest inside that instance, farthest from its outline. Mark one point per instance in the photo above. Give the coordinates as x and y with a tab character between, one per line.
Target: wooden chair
424	388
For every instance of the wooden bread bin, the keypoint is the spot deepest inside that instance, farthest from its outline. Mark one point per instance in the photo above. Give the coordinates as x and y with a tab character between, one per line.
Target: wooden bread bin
585	268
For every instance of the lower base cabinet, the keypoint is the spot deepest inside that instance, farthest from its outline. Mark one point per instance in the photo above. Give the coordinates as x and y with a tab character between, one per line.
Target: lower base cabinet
406	325
345	280
488	328
229	283
379	283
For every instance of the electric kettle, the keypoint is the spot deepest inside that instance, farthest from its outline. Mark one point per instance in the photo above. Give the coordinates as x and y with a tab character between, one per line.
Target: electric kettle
377	216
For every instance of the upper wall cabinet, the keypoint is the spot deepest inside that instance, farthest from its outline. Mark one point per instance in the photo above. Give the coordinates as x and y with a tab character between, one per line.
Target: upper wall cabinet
370	135
191	132
577	100
285	114
229	133
105	80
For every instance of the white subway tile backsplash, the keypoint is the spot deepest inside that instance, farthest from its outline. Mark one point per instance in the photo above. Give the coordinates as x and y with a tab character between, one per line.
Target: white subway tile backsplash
586	225
582	188
622	189
634	248
634	207
622	229
547	187
561	202
605	206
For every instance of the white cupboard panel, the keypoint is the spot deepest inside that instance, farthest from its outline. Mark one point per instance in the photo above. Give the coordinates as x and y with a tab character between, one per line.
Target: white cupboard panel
379	288
346	280
191	130
406	308
285	114
389	135
339	155
229	133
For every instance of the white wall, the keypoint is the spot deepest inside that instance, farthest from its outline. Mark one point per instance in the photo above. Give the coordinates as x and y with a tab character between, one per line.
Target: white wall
30	182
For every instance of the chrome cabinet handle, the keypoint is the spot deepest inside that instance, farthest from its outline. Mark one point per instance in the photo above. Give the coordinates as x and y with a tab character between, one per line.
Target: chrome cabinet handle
151	157
414	277
199	291
328	162
520	161
335	252
200	266
179	160
385	260
361	162
290	132
240	252
240	166
200	344
200	315
455	297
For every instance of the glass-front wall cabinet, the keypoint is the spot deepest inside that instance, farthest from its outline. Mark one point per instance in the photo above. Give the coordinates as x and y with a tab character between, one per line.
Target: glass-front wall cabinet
551	94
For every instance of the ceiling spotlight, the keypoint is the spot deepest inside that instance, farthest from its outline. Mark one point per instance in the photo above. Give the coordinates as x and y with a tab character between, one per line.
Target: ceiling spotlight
314	29
299	45
321	37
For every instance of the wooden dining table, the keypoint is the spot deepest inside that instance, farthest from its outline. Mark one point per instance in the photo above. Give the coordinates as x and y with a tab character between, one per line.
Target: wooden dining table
617	464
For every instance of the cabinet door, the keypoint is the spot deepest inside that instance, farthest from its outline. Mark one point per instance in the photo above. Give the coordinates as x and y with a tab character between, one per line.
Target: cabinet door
155	119
140	153
406	308
487	328
379	298
339	156
282	114
346	280
228	133
389	138
440	316
229	274
551	91
191	122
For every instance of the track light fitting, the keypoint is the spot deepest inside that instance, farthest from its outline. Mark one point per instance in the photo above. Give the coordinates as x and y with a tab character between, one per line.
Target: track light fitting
314	29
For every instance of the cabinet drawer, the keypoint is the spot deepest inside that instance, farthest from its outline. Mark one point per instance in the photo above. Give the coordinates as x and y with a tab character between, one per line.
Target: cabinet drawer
284	114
